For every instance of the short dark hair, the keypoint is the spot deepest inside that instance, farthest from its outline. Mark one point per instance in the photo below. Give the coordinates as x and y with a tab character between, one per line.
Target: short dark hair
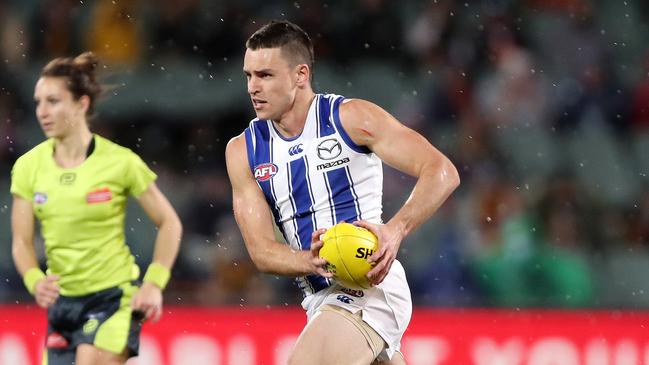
79	73
290	38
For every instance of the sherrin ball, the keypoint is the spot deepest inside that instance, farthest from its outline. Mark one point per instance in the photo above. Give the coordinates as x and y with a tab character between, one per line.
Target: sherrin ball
346	249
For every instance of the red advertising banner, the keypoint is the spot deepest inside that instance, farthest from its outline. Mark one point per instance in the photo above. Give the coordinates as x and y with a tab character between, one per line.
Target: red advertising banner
247	336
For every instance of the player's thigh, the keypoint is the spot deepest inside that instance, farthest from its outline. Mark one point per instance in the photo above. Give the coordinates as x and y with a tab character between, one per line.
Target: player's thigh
397	359
90	355
330	338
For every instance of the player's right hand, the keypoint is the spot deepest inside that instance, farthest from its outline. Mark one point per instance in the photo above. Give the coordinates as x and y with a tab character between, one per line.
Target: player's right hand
319	264
148	301
46	291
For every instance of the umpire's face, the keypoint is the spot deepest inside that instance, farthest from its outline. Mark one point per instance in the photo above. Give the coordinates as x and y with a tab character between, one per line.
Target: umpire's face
59	113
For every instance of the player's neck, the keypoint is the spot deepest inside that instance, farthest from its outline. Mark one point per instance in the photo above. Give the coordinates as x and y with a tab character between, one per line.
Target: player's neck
72	150
292	123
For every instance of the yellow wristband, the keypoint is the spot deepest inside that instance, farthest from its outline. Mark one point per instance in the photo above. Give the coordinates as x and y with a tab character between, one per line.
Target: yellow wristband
32	276
157	274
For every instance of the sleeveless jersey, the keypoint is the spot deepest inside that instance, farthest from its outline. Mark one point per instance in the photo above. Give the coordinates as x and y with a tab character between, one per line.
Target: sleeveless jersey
316	179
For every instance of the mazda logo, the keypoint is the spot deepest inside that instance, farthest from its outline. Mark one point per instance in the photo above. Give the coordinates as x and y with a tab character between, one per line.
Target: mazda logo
329	149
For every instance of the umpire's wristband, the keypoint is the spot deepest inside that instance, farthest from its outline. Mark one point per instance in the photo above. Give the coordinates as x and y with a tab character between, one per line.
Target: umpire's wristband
157	274
32	276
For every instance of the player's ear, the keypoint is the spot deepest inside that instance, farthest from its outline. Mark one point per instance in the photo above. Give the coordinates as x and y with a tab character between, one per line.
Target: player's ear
84	102
303	74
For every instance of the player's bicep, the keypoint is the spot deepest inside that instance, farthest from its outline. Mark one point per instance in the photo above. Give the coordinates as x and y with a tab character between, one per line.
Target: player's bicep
250	208
394	143
155	204
406	150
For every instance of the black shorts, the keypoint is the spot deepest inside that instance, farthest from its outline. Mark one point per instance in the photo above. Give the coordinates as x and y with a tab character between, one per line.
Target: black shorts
103	319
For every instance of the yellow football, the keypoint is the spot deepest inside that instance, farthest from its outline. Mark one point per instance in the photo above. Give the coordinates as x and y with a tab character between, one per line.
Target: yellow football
346	249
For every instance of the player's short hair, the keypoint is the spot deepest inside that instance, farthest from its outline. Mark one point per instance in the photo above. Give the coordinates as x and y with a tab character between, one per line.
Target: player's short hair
295	44
79	73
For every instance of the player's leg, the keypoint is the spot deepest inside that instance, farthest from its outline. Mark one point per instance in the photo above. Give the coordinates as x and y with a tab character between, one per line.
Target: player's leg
336	336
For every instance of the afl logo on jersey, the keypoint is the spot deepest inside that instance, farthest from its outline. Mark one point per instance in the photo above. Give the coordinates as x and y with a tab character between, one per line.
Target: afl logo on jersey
265	171
40	198
329	149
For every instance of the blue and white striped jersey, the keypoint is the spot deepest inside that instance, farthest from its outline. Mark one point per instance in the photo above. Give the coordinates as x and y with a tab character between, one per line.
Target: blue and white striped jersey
316	179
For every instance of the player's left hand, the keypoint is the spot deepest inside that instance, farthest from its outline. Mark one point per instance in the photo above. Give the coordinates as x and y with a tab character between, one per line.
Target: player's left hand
148	300
389	243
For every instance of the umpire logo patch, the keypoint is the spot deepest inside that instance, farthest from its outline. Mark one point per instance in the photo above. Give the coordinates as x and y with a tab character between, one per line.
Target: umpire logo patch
90	326
67	178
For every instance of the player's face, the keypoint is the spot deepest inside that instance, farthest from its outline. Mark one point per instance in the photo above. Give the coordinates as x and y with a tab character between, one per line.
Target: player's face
271	82
56	108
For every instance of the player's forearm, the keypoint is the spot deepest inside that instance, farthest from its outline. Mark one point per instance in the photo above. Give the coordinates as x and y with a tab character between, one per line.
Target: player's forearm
168	241
279	259
24	255
433	187
166	249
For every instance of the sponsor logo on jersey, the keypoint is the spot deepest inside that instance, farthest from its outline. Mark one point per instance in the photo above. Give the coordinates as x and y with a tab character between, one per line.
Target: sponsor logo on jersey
56	341
353	293
40	198
345	299
265	171
327	165
329	149
67	178
99	196
294	150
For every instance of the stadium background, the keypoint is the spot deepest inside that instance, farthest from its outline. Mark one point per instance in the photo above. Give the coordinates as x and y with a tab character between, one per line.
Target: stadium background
542	105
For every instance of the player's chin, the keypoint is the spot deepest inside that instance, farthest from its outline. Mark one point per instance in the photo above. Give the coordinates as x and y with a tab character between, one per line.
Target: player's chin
49	133
263	114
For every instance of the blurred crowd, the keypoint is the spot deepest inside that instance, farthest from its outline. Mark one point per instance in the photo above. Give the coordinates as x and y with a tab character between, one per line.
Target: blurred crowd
543	105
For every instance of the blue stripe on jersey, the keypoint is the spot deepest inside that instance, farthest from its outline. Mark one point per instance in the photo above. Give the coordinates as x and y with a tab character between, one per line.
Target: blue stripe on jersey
341	194
291	197
332	208
302	202
273	203
308	183
300	195
341	130
317	282
263	153
353	190
317	116
251	150
326	127
261	150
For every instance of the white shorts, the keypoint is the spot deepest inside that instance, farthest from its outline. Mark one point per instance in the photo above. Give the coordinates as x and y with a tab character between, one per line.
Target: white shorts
386	307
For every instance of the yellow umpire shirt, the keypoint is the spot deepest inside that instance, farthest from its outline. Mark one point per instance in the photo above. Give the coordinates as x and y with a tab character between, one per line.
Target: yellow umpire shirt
81	211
